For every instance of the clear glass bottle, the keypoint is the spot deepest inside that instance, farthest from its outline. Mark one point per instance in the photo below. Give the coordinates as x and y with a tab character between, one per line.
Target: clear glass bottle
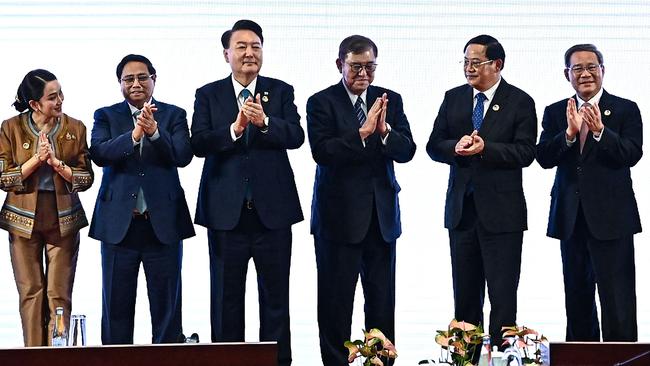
59	333
486	351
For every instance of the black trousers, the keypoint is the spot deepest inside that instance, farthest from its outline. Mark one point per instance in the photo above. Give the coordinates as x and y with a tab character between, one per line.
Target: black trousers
162	268
587	262
339	266
479	256
230	252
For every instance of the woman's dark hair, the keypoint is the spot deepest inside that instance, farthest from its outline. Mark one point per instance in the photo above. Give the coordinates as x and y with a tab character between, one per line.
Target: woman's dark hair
32	88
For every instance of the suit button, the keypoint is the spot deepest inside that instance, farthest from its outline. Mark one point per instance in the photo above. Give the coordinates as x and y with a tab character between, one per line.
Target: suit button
579	169
246	180
133	195
577	193
141	174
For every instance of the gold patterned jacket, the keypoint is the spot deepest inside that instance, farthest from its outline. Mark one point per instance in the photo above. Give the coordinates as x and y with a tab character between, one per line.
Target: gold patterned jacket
18	143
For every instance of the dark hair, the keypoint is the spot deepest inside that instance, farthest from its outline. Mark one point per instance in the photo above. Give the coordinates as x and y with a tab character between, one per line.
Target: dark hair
582	47
243	24
356	44
493	51
32	88
134	58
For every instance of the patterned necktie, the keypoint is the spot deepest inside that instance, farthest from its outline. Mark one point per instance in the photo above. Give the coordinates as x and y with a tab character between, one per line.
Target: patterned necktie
358	110
584	130
140	203
477	115
244	94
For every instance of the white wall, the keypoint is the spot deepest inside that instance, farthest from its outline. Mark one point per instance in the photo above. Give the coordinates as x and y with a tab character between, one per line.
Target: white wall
420	44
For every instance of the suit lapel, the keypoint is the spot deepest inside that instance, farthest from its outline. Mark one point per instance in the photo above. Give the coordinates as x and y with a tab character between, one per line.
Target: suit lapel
225	97
345	106
495	108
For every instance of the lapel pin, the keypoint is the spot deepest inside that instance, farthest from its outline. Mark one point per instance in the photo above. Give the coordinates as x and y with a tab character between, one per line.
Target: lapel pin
26	145
265	98
68	136
607	112
495	107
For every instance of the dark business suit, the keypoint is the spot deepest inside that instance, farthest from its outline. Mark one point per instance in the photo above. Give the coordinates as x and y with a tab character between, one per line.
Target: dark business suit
485	209
236	233
155	239
355	216
594	214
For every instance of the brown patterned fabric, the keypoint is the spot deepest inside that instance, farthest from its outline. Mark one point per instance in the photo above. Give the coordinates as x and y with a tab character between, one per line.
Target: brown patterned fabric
18	143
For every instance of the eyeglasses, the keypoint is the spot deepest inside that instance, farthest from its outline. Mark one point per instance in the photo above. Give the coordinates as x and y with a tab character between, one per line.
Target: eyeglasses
130	79
475	64
579	69
356	68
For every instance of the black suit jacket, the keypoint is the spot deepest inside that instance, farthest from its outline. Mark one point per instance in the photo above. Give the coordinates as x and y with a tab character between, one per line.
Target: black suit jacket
125	171
509	130
229	164
349	176
599	178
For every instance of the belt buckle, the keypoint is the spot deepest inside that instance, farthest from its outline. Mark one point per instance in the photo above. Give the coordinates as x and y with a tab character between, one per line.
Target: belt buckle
248	205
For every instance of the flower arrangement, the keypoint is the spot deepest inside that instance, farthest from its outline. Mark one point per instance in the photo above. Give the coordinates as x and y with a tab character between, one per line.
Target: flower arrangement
530	343
373	348
461	340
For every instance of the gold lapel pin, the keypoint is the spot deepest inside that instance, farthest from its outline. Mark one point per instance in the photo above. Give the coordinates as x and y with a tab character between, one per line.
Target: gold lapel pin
495	107
26	145
607	112
265	98
68	136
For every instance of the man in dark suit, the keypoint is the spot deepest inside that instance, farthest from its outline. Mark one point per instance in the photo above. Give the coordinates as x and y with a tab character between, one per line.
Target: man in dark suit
140	215
243	126
356	131
485	131
593	138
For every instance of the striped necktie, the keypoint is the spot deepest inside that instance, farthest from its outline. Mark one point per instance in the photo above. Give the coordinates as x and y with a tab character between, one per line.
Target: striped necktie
358	111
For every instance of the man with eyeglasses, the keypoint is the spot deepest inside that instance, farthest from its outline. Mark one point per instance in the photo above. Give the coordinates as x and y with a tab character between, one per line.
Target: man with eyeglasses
485	131
141	215
356	132
243	125
594	138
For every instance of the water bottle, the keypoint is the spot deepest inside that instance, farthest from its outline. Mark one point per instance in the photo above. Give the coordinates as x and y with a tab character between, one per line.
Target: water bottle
59	333
486	351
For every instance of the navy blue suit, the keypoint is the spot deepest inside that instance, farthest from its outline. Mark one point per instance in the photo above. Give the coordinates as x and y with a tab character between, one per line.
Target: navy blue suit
355	215
155	239
594	213
485	208
245	225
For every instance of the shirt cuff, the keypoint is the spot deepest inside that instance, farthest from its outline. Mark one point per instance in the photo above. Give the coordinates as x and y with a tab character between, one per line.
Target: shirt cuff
600	135
384	139
155	136
570	143
232	133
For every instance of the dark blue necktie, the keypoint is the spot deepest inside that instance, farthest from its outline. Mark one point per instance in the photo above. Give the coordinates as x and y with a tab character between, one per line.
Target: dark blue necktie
477	115
358	110
245	93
